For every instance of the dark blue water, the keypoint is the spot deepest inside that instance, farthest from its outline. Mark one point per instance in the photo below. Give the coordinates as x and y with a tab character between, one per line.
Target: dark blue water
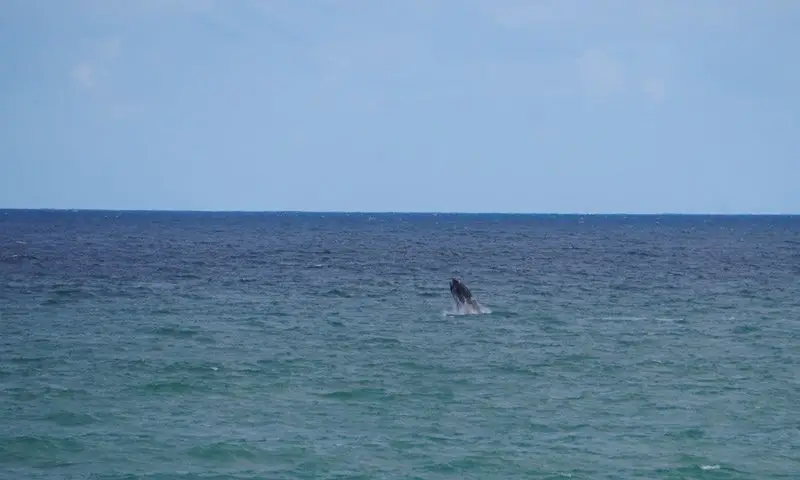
222	345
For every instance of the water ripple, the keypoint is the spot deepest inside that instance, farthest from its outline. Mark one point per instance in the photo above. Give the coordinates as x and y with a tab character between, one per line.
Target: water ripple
294	346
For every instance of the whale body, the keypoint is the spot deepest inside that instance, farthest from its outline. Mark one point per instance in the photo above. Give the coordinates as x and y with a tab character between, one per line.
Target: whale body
463	297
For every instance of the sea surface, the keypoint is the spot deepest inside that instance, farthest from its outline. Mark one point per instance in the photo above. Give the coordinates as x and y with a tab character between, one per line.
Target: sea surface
164	345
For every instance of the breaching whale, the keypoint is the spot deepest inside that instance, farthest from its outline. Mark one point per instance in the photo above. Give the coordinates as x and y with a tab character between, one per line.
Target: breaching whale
463	297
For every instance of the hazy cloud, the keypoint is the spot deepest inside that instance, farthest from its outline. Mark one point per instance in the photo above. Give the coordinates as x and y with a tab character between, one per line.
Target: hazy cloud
85	75
655	89
93	68
128	8
600	73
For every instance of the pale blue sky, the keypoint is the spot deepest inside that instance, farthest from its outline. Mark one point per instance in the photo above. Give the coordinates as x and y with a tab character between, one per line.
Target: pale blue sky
634	106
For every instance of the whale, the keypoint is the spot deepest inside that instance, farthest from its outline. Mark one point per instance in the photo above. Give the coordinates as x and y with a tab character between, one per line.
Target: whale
463	297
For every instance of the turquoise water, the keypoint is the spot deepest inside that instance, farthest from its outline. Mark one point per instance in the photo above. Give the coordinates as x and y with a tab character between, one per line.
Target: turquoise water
304	346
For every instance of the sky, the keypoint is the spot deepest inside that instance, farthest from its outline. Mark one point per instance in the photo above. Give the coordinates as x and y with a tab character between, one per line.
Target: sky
529	106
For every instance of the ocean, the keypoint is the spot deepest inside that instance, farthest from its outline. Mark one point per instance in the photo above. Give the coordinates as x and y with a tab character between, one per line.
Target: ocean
180	345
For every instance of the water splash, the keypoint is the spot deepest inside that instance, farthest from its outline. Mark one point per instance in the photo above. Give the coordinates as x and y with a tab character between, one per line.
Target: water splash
467	309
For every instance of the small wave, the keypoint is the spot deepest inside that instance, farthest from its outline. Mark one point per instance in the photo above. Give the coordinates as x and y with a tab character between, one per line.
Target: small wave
429	294
669	319
34	448
203	368
173	387
709	467
28	360
45	391
745	329
642	254
164	311
14	258
693	433
176	332
502	313
223	452
338	293
70	419
379	339
623	318
63	294
355	394
194	369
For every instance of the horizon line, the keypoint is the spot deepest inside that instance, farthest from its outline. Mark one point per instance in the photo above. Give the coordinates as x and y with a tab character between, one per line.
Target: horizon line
395	212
